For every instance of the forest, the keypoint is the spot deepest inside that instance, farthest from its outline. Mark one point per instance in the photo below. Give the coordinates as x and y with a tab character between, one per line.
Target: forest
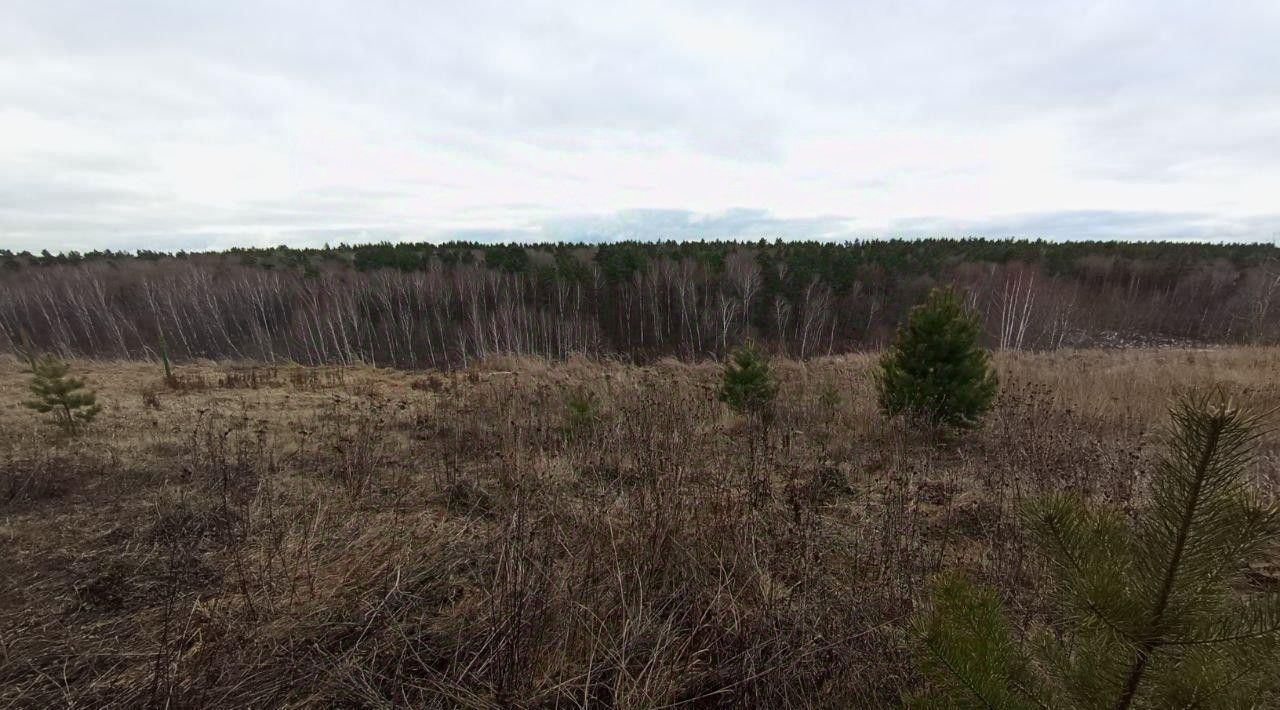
420	305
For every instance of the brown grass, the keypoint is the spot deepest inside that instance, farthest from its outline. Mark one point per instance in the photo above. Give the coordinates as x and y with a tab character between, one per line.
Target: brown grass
275	536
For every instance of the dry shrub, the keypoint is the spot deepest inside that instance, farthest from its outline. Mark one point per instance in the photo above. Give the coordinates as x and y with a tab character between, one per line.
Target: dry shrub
250	378
348	446
430	383
35	480
186	382
151	398
314	378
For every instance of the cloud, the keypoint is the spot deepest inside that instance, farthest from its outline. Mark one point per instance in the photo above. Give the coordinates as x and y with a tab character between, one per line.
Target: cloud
139	124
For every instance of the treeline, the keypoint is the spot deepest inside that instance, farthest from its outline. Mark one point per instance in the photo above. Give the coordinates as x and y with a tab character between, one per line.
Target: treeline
425	305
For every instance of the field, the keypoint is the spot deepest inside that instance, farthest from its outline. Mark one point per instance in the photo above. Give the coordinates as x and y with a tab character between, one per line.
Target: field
530	533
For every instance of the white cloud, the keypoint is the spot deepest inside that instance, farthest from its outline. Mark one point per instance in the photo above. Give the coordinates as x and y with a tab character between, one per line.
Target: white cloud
166	125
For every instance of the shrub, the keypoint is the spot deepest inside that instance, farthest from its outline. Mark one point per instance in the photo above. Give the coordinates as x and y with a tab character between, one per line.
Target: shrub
747	386
59	395
935	370
150	398
1149	613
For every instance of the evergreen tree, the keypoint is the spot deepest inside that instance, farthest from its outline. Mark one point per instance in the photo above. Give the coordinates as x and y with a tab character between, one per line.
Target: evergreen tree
747	386
62	396
1150	614
936	371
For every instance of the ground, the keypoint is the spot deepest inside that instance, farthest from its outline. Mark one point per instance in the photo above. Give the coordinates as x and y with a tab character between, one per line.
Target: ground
538	534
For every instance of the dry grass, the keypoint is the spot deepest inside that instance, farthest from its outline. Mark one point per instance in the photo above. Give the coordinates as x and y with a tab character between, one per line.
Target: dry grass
251	536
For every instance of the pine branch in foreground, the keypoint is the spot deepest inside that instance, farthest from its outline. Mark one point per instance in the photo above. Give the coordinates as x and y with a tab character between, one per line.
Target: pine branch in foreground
1150	614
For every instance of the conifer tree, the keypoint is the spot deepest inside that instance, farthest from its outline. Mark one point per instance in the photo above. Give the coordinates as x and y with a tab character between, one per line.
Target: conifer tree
1156	613
747	386
935	370
62	396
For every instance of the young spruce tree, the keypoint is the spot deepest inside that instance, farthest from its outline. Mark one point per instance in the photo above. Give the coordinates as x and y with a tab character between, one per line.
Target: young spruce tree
935	370
62	396
1155	613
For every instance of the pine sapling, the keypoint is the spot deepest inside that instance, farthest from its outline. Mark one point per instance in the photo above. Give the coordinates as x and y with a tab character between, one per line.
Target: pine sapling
582	412
936	371
747	386
64	397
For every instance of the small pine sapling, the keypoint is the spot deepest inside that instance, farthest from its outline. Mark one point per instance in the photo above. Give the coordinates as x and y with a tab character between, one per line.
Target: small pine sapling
582	412
747	386
64	397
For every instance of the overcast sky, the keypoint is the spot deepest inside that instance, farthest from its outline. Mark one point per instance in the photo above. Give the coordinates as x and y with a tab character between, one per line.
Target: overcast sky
194	124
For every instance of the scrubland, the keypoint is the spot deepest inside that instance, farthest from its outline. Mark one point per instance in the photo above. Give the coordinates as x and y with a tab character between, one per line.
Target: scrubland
532	533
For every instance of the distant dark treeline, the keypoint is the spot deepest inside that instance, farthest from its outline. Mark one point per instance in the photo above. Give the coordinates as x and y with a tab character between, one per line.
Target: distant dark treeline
425	305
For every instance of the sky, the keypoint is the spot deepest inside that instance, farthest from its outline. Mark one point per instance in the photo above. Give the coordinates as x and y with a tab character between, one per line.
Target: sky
201	124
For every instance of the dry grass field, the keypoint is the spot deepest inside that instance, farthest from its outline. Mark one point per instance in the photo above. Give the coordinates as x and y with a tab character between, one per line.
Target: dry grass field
359	537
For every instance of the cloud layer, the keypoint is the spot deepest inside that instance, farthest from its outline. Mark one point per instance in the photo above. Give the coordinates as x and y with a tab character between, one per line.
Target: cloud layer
151	124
